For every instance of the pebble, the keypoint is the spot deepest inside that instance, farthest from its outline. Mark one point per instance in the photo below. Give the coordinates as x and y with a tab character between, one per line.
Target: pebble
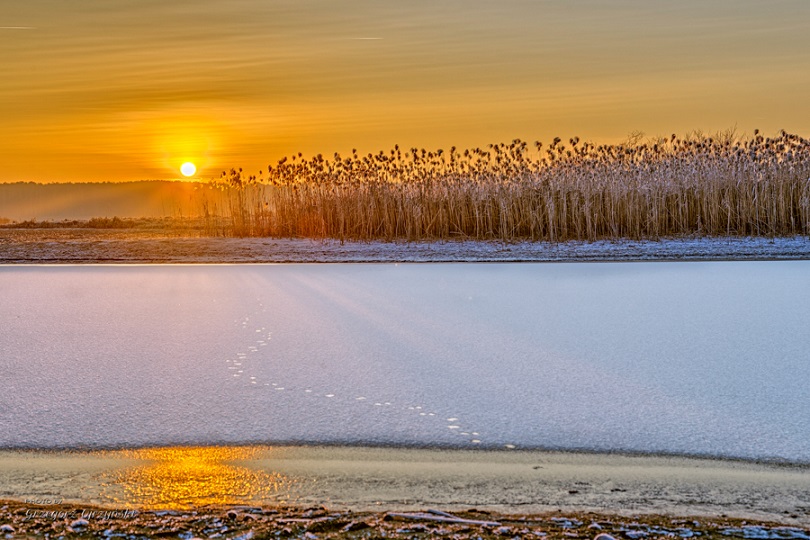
566	523
418	528
635	535
79	523
355	526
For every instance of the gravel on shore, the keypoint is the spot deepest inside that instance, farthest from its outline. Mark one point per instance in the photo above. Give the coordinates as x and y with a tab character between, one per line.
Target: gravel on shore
26	520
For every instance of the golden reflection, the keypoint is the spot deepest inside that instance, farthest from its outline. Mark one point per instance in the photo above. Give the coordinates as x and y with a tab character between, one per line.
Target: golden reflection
184	477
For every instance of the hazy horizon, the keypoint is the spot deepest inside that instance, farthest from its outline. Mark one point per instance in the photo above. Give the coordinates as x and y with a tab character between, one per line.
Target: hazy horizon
121	90
21	201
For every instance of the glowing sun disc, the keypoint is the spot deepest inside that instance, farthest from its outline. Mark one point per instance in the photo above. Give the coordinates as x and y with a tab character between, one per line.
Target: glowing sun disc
188	168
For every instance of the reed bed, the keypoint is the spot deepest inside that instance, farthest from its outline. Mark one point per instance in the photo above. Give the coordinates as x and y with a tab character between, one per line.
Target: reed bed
696	185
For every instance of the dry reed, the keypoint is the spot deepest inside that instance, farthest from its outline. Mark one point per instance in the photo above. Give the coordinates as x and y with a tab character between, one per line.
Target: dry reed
696	185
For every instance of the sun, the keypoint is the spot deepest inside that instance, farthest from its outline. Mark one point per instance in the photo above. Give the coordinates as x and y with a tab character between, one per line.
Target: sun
188	169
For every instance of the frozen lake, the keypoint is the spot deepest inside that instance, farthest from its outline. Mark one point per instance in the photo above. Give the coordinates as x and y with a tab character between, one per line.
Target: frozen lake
696	358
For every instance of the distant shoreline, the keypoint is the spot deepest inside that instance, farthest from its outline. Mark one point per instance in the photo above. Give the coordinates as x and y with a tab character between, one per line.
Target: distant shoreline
169	246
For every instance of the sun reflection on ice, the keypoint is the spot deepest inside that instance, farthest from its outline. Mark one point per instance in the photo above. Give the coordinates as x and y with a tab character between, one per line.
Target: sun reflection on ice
185	477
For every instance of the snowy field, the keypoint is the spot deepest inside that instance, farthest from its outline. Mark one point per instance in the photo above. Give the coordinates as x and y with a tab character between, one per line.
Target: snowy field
699	358
90	246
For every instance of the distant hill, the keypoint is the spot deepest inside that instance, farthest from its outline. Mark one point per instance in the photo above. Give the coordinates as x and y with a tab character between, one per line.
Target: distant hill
28	200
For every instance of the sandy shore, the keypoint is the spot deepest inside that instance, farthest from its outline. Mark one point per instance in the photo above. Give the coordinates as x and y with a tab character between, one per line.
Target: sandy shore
380	479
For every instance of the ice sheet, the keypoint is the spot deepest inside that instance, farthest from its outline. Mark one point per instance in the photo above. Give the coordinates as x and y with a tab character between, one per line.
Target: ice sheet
687	358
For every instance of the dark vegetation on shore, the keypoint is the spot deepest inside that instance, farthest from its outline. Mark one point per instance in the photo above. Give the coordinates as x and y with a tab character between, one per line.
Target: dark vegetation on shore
698	185
93	223
193	224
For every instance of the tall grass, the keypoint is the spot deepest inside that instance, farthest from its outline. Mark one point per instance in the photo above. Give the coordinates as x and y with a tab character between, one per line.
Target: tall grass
695	185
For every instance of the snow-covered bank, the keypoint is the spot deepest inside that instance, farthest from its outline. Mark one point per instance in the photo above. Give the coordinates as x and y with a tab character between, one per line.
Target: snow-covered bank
92	246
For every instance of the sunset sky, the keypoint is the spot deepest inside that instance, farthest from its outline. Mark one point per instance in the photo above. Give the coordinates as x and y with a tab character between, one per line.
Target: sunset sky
130	89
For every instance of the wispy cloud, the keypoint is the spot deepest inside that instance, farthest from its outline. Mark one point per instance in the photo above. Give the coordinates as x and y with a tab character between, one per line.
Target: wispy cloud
366	38
17	27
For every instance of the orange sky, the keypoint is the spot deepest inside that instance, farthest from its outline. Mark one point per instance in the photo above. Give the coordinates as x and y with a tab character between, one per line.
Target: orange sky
130	89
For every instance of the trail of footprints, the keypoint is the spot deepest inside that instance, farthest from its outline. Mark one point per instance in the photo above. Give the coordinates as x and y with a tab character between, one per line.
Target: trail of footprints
238	363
